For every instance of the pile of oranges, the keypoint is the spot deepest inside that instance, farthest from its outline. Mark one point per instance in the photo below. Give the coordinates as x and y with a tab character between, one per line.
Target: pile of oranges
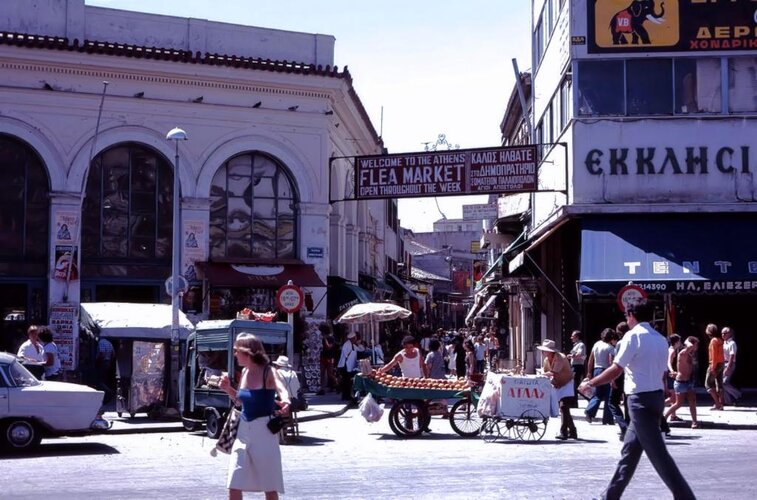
418	383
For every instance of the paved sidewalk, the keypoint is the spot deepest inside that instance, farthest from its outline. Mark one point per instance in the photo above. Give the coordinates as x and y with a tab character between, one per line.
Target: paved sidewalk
742	416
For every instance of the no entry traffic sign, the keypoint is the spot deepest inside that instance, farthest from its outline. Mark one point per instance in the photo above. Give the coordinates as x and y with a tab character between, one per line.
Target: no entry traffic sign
290	298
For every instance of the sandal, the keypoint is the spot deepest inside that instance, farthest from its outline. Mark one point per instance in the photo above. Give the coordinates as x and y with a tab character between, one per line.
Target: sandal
695	425
675	418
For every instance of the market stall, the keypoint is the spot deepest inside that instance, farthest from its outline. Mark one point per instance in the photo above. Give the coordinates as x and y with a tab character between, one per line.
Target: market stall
141	337
515	406
414	407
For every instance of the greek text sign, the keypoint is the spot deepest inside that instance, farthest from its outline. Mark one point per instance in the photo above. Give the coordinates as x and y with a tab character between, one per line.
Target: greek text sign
671	25
458	172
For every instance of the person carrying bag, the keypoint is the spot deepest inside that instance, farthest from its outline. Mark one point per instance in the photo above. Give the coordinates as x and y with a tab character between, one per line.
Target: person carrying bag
255	461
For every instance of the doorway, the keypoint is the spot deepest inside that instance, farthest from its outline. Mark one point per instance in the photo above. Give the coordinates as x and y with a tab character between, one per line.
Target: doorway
13	316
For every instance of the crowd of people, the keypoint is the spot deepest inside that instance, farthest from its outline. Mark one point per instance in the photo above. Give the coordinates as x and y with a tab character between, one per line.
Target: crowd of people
682	374
431	354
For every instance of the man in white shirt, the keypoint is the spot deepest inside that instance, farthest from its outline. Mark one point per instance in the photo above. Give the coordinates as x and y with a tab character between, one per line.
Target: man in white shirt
730	393
31	349
601	358
643	355
347	365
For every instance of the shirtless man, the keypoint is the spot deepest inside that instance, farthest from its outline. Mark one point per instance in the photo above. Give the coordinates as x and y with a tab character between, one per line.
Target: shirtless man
684	381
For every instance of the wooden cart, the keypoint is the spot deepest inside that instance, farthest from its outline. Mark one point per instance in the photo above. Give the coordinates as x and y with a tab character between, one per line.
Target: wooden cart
413	408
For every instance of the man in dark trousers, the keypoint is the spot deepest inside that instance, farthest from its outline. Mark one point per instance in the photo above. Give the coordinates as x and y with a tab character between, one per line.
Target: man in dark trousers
643	356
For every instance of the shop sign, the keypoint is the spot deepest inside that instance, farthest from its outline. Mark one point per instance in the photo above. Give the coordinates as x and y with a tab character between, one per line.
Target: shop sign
628	293
290	298
315	252
653	162
62	323
455	172
671	25
480	211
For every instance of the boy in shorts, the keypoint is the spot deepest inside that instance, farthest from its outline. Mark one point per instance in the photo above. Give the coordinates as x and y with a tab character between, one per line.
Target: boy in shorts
684	381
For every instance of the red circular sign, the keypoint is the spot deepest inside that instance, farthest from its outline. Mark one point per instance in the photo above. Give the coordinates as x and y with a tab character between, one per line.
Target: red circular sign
290	298
628	293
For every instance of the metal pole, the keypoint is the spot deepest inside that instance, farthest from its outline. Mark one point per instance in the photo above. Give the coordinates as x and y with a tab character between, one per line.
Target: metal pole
176	260
175	271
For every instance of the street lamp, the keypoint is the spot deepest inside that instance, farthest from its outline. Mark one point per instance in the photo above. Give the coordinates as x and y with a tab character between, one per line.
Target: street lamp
176	135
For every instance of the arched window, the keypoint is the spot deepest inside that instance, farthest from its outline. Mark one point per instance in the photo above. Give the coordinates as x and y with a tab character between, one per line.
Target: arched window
24	206
128	206
252	209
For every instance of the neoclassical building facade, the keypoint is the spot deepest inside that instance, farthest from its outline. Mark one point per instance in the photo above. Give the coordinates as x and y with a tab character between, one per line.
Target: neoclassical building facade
86	171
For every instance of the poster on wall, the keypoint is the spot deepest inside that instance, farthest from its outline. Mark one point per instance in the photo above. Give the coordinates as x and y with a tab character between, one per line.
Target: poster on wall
63	259
62	321
670	25
193	243
65	227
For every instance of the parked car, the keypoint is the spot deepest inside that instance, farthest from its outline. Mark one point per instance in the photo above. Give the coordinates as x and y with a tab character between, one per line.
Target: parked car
31	409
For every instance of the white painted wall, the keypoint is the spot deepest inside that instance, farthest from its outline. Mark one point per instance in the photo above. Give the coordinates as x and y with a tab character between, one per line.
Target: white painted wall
60	124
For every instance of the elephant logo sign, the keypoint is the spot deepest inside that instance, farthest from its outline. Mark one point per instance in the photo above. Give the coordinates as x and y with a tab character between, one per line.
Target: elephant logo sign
641	23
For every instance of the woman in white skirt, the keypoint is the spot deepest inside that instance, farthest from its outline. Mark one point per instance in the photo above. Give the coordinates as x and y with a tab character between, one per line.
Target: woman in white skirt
255	463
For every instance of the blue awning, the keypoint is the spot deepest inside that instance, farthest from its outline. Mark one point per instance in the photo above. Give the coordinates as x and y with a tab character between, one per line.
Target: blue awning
705	253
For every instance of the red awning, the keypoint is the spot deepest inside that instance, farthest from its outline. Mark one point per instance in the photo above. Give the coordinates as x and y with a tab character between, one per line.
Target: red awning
260	275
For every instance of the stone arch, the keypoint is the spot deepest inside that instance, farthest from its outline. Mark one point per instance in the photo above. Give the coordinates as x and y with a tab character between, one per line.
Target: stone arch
141	135
305	182
53	161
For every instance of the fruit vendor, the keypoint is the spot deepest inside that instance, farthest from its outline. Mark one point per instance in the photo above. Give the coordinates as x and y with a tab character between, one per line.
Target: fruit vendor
409	360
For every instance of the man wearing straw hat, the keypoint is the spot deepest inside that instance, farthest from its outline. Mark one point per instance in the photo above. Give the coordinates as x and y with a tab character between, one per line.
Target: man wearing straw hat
557	367
643	355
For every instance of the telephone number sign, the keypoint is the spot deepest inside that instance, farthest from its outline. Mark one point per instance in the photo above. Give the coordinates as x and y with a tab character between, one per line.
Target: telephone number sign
458	172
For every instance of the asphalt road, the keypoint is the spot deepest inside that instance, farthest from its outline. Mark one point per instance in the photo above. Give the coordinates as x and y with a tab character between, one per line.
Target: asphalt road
347	458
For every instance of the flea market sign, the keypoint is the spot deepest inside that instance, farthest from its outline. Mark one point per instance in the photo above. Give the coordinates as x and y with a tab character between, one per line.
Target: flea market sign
454	172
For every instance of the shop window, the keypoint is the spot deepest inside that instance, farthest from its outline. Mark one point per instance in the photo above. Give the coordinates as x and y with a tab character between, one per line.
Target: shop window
649	87
24	203
742	84
226	302
697	86
252	213
128	208
600	88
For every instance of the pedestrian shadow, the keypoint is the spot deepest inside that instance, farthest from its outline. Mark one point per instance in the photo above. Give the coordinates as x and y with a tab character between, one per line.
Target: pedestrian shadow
62	449
433	436
307	441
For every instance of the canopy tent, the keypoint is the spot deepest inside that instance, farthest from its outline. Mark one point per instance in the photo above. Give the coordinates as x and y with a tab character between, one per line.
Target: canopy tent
131	321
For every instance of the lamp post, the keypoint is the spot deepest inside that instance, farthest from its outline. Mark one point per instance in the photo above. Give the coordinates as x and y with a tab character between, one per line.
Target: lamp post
176	135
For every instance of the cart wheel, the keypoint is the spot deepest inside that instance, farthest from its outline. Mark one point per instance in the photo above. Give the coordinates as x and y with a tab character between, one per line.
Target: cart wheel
532	425
490	429
464	418
408	418
508	429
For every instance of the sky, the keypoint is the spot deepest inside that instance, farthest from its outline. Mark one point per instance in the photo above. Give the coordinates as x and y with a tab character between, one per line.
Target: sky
435	67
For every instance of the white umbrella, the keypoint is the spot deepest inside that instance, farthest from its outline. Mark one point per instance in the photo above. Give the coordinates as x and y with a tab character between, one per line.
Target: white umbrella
373	311
370	313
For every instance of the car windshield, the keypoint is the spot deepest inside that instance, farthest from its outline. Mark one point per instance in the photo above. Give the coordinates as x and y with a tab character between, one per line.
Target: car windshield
21	376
